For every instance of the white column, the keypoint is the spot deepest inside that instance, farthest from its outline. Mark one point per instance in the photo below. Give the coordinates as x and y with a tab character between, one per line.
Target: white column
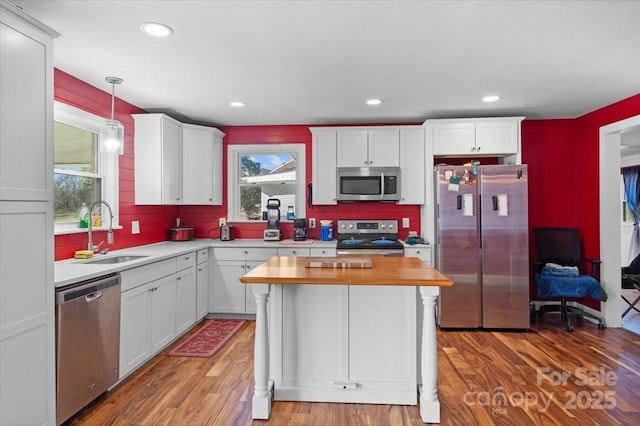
263	391
429	403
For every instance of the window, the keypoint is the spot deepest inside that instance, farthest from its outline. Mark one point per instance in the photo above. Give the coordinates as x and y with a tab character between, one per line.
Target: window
81	174
258	173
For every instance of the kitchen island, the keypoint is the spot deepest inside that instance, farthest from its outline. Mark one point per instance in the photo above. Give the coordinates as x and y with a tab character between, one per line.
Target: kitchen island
345	334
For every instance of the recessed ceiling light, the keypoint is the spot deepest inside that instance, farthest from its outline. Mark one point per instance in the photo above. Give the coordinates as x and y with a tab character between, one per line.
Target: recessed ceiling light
236	104
374	101
491	98
156	29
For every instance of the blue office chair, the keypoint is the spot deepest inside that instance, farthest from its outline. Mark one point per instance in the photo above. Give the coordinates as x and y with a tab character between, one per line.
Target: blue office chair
558	276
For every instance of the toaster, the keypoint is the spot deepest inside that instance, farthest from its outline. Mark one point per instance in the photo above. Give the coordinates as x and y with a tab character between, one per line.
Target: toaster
226	233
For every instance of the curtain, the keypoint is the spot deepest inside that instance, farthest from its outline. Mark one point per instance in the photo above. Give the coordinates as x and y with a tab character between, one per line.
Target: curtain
632	193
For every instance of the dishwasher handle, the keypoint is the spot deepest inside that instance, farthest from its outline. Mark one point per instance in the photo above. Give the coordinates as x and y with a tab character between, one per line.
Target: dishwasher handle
90	289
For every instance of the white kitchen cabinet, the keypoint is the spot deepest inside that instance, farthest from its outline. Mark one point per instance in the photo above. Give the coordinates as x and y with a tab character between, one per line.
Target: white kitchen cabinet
305	251
229	295
202	283
185	292
176	163
368	147
412	165
422	252
158	159
475	137
201	165
27	306
323	252
327	343
323	171
147	321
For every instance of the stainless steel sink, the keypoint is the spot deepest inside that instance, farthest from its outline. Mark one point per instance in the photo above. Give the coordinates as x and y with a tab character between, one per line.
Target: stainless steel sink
115	259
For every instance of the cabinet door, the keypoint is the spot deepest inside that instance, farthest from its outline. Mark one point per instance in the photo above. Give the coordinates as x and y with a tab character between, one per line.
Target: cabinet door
497	137
197	165
26	112
322	252
185	299
384	147
163	312
412	164
368	311
454	138
135	328
228	293
315	340
250	300
353	148
171	179
202	290
324	167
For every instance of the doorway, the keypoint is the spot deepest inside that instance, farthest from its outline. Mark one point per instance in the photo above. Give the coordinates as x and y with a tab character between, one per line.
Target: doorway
611	137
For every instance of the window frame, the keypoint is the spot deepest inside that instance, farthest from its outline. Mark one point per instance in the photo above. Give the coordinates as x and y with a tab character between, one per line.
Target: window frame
108	166
233	176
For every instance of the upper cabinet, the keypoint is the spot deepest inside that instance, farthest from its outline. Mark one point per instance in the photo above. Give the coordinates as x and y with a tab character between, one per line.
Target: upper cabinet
398	146
372	147
498	136
176	163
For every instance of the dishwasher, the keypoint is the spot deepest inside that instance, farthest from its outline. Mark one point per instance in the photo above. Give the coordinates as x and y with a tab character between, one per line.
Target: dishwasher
87	342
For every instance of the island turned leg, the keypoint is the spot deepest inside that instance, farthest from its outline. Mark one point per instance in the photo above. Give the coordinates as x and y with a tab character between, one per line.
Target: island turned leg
263	391
429	403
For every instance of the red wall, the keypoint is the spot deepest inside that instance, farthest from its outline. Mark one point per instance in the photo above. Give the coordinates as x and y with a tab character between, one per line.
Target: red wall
563	158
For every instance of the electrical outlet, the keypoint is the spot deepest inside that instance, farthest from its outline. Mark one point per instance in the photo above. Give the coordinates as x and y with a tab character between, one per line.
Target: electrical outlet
312	222
222	221
405	222
135	227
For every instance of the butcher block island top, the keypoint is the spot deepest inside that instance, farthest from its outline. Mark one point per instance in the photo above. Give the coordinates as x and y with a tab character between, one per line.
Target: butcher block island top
389	271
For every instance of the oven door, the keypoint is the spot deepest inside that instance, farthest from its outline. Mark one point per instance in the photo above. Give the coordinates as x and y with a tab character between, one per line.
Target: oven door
368	184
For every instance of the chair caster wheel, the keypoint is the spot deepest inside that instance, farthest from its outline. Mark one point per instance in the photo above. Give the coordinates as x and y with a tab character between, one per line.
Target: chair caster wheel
601	326
570	328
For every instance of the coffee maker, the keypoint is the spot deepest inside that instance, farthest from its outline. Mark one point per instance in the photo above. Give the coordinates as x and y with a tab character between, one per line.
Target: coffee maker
299	229
272	233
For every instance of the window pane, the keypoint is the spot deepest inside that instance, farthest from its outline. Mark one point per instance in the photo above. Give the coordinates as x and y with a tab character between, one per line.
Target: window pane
266	176
70	192
253	199
75	148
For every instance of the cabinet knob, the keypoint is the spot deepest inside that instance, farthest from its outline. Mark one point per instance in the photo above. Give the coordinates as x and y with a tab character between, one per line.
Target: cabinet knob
294	252
473	149
478	149
179	278
199	269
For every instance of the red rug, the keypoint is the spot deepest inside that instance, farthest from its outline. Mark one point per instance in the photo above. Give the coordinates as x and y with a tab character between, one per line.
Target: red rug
209	339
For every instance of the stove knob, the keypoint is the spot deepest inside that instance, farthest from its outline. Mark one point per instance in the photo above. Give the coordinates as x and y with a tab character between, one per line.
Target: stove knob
391	226
383	226
351	226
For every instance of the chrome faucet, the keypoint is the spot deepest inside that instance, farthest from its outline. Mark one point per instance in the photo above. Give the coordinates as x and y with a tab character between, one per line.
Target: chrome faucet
90	245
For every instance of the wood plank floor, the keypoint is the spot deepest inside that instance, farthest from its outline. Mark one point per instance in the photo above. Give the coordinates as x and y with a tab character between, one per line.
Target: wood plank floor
545	376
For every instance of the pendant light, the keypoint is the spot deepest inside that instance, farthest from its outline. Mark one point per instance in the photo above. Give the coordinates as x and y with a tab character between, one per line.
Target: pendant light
112	134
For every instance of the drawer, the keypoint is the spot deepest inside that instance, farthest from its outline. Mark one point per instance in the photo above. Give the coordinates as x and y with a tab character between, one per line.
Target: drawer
293	251
422	253
185	261
136	277
238	253
322	252
202	255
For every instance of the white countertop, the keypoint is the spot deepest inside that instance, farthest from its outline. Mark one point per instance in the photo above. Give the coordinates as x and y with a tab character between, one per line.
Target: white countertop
71	271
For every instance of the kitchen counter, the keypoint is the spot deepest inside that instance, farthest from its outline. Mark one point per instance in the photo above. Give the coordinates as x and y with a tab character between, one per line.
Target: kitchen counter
346	335
70	271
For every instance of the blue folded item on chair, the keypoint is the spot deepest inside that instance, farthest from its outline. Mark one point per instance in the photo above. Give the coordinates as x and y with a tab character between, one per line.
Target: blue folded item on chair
551	287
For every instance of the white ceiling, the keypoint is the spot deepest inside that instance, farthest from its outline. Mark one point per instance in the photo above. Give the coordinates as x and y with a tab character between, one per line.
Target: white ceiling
316	62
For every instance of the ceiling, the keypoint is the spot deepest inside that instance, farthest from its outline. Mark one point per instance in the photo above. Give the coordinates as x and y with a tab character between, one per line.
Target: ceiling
316	62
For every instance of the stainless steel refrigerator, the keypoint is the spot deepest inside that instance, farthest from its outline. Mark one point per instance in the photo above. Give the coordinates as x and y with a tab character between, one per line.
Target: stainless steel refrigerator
482	244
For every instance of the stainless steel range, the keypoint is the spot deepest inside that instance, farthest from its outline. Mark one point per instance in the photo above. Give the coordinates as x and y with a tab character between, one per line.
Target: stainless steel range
369	238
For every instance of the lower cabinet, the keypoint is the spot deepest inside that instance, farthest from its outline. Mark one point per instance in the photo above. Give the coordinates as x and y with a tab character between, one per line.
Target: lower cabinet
147	322
185	299
326	343
228	294
422	252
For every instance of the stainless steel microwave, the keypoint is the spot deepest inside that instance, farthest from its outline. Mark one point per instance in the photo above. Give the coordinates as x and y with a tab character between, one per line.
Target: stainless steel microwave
368	184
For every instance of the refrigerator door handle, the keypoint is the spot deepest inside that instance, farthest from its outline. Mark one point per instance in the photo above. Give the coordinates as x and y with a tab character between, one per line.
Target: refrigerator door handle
459	202
494	199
